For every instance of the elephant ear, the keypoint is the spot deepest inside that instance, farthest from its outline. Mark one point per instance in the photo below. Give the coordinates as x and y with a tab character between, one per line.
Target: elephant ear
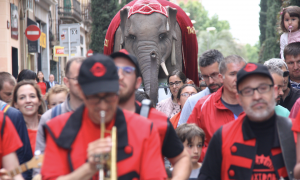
124	18
172	12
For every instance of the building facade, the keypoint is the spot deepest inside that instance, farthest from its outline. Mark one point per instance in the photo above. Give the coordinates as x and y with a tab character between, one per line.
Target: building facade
17	52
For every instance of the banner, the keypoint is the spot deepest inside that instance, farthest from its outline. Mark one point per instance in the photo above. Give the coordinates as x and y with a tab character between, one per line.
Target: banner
43	40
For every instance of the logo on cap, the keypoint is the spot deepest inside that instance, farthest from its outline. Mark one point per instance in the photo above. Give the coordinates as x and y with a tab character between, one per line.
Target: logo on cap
98	69
250	67
124	51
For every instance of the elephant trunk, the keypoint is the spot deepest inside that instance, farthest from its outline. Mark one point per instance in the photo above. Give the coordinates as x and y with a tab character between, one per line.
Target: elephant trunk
149	61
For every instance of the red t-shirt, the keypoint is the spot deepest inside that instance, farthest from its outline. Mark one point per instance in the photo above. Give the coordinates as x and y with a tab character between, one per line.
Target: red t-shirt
146	159
32	138
43	87
10	141
175	119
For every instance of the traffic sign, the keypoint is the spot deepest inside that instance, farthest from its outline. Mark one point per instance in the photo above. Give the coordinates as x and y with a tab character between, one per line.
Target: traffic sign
33	33
69	37
89	53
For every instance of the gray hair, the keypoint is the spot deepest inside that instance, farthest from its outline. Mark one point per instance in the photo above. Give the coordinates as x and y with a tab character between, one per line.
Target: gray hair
276	62
230	59
209	57
275	70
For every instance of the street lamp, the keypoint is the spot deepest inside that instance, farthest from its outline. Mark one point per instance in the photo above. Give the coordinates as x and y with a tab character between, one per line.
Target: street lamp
207	30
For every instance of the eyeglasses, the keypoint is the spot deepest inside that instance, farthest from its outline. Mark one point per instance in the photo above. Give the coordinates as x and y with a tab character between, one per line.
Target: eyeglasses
126	70
213	76
286	73
176	83
74	78
292	63
264	88
95	99
186	94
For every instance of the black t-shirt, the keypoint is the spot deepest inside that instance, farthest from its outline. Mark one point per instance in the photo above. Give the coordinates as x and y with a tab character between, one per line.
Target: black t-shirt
291	98
264	132
172	146
236	109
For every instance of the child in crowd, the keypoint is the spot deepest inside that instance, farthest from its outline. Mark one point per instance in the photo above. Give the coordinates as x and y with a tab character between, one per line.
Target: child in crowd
192	138
290	24
57	95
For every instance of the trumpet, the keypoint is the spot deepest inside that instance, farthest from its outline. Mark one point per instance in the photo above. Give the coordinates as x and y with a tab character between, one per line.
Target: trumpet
108	171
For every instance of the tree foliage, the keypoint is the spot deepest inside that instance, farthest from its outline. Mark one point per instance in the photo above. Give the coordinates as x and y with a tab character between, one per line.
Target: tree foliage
200	15
222	41
102	13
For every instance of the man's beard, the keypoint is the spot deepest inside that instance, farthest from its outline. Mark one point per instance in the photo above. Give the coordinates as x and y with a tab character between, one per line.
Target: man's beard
214	90
260	115
123	98
278	101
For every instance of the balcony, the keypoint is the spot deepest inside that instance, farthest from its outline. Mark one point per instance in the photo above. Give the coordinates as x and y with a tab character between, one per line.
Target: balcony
69	11
86	14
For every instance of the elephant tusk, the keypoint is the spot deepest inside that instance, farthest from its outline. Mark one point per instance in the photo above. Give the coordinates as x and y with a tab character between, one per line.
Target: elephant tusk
163	65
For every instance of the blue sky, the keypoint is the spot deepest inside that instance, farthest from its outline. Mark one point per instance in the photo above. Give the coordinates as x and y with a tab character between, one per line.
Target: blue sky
243	16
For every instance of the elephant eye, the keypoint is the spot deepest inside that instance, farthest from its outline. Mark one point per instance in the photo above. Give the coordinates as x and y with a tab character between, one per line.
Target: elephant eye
162	36
133	37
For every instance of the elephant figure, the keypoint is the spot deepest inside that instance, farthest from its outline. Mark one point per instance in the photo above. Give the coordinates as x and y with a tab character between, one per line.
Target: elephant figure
155	38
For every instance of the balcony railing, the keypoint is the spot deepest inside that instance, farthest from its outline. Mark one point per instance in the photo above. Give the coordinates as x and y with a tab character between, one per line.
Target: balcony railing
69	11
86	13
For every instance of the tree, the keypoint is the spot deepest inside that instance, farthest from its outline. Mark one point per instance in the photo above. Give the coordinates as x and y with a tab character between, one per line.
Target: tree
200	15
262	20
222	41
103	12
252	52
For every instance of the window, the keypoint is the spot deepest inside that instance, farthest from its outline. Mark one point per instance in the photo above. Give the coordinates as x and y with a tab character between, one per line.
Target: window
30	4
81	39
81	49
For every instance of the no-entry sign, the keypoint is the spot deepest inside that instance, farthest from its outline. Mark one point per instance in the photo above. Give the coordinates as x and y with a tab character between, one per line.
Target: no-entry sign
33	33
89	53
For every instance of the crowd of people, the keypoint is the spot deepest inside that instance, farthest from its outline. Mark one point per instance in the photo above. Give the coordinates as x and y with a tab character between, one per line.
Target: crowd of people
242	122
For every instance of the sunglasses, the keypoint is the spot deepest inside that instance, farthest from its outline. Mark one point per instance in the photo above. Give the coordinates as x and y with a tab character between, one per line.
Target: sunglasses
286	73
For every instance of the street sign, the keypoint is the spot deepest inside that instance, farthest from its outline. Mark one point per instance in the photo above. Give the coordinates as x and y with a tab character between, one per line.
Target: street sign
69	37
58	51
43	40
89	53
33	33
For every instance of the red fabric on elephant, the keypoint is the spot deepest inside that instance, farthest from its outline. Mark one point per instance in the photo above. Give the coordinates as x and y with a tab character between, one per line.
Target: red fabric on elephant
189	39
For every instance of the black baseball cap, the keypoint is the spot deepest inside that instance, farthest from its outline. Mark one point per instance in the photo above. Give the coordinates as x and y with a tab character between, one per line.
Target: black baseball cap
124	53
250	69
97	74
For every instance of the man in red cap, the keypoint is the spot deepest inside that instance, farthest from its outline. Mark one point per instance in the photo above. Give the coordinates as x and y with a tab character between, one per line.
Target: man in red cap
73	143
129	81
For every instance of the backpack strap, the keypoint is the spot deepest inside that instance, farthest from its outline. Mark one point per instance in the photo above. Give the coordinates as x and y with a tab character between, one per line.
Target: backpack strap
5	107
145	109
3	125
287	144
56	111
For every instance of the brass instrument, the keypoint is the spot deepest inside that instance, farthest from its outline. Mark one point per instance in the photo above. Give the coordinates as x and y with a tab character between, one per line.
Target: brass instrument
108	171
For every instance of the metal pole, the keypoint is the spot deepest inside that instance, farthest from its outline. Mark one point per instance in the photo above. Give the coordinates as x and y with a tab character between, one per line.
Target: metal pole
69	34
59	70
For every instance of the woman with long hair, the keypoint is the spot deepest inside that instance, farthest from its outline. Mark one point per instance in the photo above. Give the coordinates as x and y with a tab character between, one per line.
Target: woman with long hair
28	99
42	83
169	106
